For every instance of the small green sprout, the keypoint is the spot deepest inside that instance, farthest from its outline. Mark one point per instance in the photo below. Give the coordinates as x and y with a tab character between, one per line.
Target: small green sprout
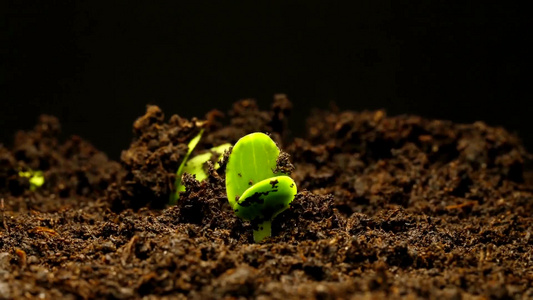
36	178
256	190
192	144
195	165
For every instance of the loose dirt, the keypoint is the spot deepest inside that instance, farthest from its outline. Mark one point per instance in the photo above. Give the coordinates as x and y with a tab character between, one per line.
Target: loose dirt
388	207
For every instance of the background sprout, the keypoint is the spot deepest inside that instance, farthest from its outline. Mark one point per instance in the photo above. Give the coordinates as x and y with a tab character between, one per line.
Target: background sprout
192	144
256	191
195	165
36	178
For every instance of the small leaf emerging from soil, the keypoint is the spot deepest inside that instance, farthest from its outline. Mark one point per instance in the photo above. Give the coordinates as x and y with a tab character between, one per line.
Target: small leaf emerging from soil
195	165
192	144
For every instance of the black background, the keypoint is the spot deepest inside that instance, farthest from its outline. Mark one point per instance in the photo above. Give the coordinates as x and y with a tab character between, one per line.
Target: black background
96	65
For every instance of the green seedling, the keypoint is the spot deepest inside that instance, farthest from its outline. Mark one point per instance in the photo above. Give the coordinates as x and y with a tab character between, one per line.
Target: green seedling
36	178
256	191
195	165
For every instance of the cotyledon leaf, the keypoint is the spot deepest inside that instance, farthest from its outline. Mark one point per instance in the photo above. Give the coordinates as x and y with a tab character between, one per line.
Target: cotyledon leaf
266	199
263	201
252	159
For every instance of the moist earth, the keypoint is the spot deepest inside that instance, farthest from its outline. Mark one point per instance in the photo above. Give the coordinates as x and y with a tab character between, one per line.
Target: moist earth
388	207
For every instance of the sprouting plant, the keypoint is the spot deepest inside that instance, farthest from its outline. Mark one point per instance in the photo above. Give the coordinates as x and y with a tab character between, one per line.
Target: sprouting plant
36	178
195	165
256	190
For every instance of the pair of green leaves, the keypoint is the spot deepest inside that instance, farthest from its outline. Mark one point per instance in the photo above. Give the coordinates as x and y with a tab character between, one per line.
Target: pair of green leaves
256	191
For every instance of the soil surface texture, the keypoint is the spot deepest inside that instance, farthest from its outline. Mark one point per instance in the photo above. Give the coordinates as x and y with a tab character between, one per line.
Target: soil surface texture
387	208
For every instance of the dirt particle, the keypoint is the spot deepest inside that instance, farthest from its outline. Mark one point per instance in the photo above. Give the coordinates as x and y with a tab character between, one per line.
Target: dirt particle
283	164
274	184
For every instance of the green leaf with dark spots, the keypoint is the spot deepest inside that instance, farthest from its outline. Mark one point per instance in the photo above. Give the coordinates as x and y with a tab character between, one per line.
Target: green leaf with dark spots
252	159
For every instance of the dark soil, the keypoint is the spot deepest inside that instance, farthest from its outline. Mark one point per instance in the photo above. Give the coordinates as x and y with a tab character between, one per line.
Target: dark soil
388	207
